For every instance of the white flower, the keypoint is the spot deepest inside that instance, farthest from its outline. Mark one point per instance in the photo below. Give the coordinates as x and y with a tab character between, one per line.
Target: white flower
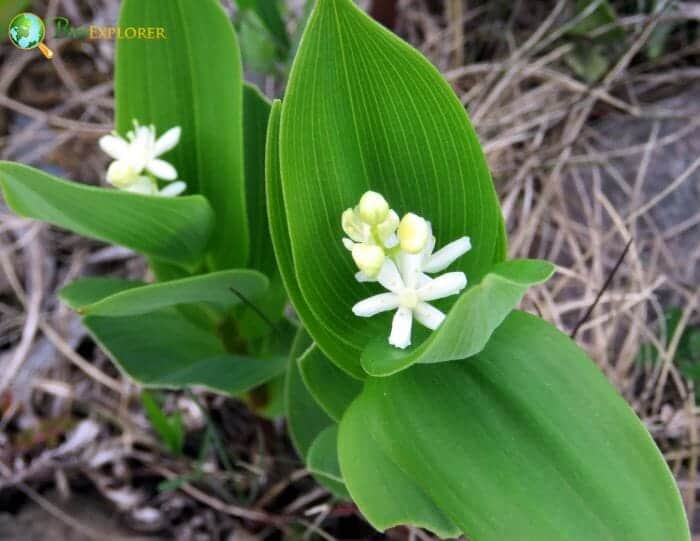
409	293
140	152
399	255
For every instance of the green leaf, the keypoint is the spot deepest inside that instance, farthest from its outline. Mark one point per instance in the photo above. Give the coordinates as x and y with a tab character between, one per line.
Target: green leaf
173	229
281	242
386	496
305	419
177	353
603	14
258	50
262	256
364	110
526	440
470	323
322	460
213	288
169	429
588	62
332	388
269	13
192	79
86	291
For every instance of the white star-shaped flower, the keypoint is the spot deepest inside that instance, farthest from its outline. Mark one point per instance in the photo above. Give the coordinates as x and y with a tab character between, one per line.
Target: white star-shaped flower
409	293
139	153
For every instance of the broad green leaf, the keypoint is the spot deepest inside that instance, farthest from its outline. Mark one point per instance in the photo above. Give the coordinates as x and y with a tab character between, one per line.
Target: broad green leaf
305	418
386	496
256	109
364	110
177	353
526	440
470	323
192	79
212	288
281	242
86	291
322	460
332	388
173	229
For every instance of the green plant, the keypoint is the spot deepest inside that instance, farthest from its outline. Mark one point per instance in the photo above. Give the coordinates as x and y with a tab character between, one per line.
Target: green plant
169	429
483	420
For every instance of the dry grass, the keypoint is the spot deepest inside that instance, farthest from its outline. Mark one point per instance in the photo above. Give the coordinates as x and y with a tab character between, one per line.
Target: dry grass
572	193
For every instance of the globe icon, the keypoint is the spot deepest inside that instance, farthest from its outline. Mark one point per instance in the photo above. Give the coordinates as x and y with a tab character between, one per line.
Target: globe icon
27	31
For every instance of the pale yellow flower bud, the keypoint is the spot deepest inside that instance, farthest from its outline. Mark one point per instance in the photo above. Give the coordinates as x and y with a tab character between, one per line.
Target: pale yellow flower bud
121	174
373	208
413	233
352	226
388	227
368	258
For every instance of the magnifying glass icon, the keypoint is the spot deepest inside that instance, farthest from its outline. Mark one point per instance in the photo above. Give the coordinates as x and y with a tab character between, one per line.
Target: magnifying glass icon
27	31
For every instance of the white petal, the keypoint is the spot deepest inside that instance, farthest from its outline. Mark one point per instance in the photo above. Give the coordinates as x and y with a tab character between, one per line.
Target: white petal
389	276
430	246
114	146
444	257
143	186
161	169
400	336
173	189
410	267
422	280
348	243
428	315
376	304
362	276
443	286
167	141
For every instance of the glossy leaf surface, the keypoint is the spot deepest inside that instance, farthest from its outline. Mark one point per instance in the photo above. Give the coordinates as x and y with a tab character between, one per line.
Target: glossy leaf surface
212	288
332	388
281	242
322	460
192	79
526	440
174	229
177	353
364	110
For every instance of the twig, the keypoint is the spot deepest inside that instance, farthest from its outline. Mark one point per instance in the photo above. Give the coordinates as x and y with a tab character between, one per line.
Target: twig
607	283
